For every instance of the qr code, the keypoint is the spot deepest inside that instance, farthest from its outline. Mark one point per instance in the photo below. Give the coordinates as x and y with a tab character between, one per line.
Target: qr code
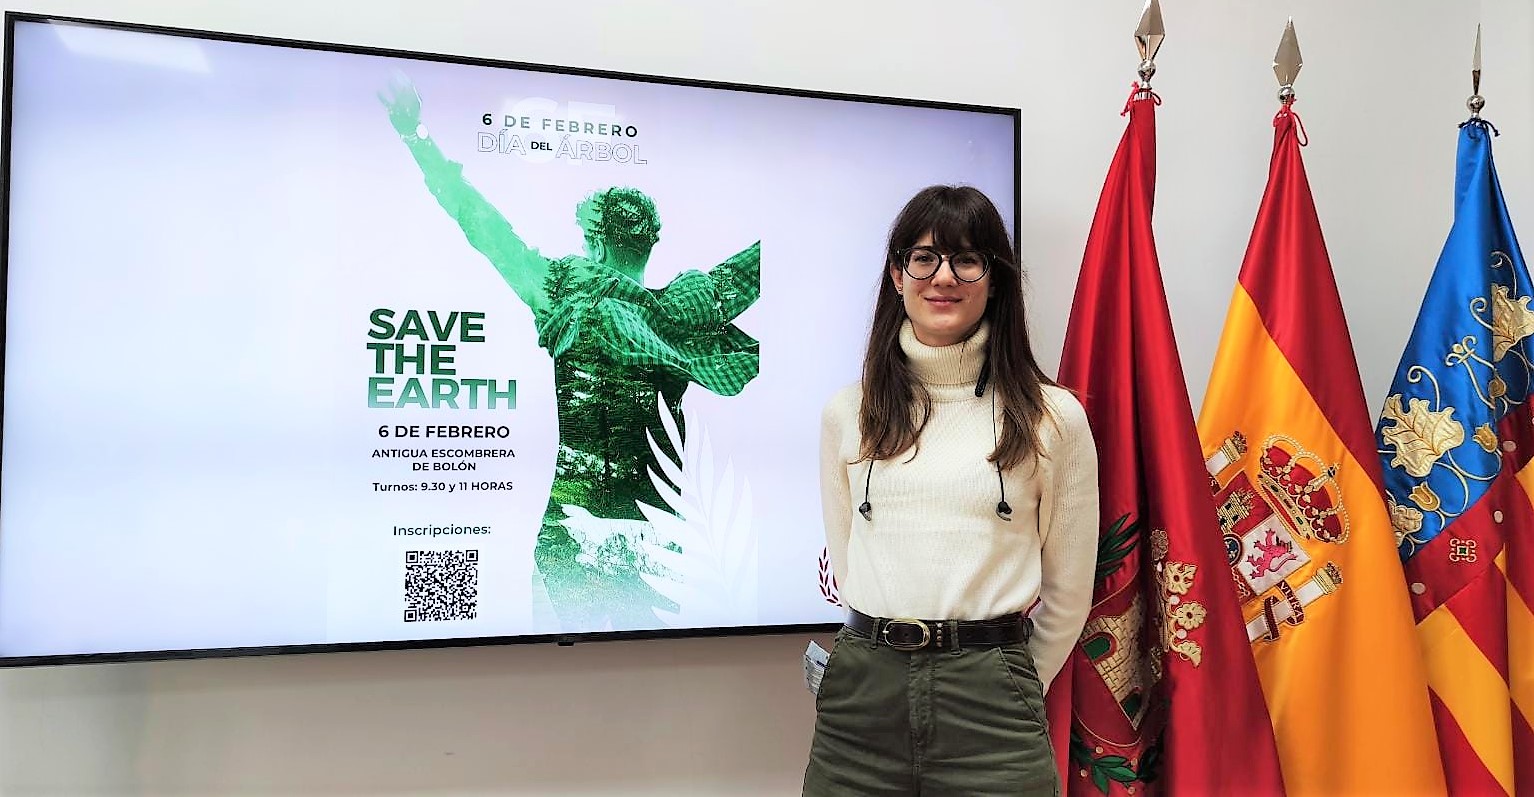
441	585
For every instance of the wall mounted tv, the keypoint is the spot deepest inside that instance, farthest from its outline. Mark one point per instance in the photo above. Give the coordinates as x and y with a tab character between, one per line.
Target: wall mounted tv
311	347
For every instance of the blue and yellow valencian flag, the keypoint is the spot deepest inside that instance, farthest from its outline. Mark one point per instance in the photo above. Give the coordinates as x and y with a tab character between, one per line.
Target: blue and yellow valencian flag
1456	437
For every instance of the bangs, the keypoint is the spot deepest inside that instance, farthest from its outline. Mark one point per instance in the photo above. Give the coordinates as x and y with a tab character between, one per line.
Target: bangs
958	218
952	229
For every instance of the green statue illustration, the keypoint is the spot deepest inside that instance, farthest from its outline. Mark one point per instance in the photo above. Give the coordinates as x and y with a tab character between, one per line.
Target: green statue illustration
615	344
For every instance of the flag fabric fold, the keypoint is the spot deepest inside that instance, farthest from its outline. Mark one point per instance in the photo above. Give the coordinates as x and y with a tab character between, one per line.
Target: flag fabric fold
1455	437
1290	453
1161	695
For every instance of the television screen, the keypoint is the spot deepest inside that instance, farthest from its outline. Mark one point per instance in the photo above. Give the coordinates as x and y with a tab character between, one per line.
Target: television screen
313	347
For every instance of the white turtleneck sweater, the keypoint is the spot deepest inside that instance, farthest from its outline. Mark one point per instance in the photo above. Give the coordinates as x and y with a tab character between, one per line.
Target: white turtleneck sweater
935	548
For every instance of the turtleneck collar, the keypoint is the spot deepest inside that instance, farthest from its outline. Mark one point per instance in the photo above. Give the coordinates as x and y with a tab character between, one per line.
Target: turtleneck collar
957	365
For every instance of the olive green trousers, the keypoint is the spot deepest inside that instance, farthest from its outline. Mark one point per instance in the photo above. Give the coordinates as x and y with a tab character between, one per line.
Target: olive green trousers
931	723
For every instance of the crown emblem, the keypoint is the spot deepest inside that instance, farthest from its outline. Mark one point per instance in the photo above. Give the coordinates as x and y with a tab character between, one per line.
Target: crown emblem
1305	488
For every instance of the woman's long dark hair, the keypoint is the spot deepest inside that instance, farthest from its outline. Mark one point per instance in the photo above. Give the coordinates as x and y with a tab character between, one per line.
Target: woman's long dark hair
896	405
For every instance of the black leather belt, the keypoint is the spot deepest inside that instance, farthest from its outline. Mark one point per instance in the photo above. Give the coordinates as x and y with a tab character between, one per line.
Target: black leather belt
903	633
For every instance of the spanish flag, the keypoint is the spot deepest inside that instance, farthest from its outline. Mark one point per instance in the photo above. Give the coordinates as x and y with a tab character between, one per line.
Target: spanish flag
1291	457
1456	438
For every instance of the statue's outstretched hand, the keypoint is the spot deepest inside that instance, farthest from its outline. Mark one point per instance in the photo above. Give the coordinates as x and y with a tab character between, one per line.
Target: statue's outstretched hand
404	104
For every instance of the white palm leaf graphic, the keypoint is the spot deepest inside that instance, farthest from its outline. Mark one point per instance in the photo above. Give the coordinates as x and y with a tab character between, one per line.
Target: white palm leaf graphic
713	579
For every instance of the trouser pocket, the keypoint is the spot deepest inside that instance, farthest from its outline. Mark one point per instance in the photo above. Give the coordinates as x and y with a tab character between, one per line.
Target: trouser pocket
827	677
1017	664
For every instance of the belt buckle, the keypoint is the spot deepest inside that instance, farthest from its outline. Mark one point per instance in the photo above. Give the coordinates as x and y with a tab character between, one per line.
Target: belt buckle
926	634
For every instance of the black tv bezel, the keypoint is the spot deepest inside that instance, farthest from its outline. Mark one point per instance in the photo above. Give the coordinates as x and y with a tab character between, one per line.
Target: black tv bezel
14	17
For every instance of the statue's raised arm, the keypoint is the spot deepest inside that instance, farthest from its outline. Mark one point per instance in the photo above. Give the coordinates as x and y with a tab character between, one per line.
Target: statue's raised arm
484	226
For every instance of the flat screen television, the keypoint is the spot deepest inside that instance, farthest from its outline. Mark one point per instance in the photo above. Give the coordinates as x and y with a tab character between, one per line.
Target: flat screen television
313	347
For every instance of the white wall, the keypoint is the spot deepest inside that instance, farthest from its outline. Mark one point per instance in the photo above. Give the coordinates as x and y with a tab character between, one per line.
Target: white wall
1381	93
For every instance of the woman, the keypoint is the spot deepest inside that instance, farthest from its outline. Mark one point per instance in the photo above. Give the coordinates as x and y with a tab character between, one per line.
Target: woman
959	486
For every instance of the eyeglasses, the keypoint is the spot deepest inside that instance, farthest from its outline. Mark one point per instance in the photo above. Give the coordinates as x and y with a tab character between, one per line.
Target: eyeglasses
920	262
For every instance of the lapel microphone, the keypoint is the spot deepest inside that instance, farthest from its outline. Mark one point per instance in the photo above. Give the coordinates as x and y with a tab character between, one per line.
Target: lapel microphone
867	509
1003	509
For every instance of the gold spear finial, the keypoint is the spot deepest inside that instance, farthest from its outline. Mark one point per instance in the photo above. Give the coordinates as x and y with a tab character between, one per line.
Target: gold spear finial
1148	38
1476	101
1287	63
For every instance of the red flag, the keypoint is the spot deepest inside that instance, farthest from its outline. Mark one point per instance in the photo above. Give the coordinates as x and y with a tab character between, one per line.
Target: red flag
1162	692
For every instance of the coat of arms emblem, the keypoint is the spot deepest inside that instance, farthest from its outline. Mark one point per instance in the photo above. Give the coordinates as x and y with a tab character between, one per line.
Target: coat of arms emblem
1276	531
